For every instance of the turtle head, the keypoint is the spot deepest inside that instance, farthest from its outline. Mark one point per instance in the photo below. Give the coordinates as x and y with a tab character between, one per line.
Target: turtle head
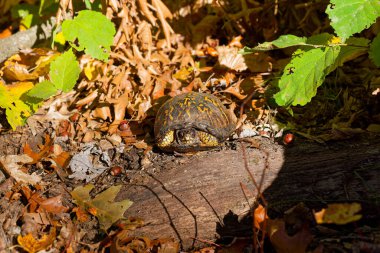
187	136
187	139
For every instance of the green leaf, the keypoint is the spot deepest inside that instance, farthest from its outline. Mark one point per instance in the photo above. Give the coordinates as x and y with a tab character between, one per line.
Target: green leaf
320	39
28	14
93	5
282	42
48	7
43	90
93	31
374	51
64	71
289	41
352	16
304	74
103	206
355	48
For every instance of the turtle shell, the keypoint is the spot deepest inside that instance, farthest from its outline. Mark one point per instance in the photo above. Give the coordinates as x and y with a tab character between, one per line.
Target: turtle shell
192	121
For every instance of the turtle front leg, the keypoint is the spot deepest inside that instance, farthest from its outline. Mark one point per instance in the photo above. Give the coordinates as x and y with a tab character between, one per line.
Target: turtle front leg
207	139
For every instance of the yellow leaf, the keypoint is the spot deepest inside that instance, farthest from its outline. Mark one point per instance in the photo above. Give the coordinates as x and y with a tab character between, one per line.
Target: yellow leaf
19	88
183	74
31	245
60	39
92	69
339	213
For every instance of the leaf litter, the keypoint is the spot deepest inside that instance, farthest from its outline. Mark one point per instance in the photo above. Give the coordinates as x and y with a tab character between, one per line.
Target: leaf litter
119	98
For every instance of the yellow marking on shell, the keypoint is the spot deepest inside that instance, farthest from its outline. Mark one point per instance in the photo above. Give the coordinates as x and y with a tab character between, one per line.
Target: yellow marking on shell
187	100
169	113
219	106
188	112
208	139
202	108
167	140
209	99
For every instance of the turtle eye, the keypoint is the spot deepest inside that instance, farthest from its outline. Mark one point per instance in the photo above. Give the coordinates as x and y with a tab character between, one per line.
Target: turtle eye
181	134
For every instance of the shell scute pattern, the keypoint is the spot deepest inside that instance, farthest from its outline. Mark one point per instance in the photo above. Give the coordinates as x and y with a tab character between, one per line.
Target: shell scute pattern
191	122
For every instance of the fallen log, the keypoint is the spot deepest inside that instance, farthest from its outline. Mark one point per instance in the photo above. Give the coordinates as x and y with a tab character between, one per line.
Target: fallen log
209	195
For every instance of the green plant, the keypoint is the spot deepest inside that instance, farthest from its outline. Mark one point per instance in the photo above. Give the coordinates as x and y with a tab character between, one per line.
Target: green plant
319	55
22	100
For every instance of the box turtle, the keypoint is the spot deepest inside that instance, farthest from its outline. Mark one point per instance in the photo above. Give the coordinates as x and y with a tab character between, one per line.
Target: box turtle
192	122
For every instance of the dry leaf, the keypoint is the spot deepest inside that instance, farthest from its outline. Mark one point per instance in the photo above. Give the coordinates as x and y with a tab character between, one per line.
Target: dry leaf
284	243
260	215
103	206
44	150
32	245
235	90
13	164
339	213
81	214
229	57
52	205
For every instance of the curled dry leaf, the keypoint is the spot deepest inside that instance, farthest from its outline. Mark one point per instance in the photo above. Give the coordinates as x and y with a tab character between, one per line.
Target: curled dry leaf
236	42
147	13
235	90
12	164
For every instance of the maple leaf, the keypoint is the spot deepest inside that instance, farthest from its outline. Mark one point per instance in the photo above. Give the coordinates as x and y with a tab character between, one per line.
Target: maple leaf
102	206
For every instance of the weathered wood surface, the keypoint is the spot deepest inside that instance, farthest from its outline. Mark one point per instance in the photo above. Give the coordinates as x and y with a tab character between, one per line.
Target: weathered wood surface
199	198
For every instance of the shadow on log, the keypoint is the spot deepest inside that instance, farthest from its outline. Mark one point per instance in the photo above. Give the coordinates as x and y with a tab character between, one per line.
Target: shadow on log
206	197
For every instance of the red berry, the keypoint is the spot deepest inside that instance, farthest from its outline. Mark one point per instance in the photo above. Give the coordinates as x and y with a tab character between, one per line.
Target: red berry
123	126
116	170
288	138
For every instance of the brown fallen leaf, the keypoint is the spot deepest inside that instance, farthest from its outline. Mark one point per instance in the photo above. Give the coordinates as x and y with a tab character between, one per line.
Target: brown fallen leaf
12	164
52	205
285	243
45	149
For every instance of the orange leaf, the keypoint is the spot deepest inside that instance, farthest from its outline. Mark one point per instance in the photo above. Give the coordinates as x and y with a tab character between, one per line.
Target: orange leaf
235	42
81	214
62	159
6	32
32	245
44	150
259	215
52	205
159	89
92	210
34	198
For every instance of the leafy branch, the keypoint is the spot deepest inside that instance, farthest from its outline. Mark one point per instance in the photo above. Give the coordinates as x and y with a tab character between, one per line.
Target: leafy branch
319	55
